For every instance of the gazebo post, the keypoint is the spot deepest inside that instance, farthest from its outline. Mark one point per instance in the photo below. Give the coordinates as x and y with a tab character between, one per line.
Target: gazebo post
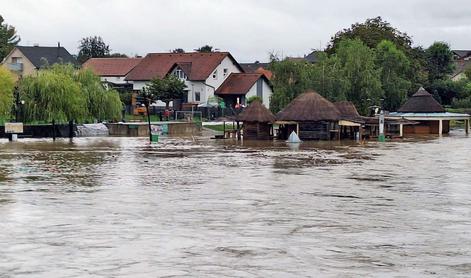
401	130
440	127
466	122
297	129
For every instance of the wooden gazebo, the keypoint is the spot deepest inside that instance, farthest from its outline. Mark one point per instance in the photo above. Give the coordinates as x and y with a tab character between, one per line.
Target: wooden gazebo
257	121
312	117
431	117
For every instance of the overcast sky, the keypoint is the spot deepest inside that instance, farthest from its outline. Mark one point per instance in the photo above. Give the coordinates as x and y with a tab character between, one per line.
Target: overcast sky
249	29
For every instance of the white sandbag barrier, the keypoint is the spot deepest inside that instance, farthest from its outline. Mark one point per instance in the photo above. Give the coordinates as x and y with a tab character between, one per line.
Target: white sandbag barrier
92	130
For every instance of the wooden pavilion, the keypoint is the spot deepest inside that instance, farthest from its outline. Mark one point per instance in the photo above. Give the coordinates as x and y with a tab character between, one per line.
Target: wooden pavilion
257	121
431	117
312	117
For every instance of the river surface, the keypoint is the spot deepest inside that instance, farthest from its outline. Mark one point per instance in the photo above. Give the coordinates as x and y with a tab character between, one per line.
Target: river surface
119	207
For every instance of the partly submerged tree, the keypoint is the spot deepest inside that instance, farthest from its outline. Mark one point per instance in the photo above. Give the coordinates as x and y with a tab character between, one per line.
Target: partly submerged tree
166	89
92	47
7	87
439	61
205	49
8	38
394	66
62	93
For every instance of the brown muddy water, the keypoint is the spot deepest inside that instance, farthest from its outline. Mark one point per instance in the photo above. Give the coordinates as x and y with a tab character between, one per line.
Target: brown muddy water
119	207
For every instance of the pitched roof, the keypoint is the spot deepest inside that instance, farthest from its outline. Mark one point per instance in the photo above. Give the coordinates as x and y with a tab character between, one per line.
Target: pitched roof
111	66
159	65
238	83
421	102
460	54
309	107
252	67
347	110
313	57
256	112
53	55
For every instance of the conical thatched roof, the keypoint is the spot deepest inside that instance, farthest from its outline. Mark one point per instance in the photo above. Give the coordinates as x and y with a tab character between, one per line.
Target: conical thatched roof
347	110
256	112
309	107
421	102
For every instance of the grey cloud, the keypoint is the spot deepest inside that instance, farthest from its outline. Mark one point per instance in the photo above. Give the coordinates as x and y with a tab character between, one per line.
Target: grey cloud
249	29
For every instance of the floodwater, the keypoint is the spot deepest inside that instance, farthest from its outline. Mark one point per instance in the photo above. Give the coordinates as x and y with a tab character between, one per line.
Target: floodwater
119	207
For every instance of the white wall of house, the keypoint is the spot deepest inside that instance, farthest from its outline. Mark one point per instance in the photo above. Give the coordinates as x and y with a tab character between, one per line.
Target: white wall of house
266	93
114	79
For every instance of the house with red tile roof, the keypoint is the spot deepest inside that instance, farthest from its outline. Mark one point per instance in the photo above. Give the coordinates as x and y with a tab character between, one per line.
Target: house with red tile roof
112	70
239	87
202	73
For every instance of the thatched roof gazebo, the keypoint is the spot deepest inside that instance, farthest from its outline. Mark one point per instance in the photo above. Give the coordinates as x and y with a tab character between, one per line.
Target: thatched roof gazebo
312	116
258	121
432	118
421	102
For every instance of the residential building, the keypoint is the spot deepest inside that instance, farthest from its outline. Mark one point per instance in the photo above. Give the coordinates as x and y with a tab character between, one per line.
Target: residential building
257	67
462	63
202	73
239	87
113	71
27	60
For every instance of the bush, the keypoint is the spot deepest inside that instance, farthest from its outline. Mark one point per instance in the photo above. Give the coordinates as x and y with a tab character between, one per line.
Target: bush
7	86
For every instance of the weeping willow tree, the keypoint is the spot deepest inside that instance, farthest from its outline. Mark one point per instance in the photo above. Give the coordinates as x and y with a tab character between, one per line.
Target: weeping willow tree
7	85
62	93
102	104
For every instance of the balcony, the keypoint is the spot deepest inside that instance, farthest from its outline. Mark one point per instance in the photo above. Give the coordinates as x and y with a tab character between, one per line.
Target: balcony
18	67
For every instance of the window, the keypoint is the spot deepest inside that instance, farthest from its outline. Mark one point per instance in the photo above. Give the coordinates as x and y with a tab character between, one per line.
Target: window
16	60
197	96
215	74
180	74
225	72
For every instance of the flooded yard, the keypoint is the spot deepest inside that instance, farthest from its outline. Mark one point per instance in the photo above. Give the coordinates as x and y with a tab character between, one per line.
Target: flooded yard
119	207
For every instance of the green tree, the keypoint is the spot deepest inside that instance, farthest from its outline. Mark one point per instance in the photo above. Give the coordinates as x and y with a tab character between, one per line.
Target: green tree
359	68
467	72
439	61
102	104
62	93
394	66
290	78
92	47
327	78
179	50
8	38
7	86
166	89
254	98
371	33
205	49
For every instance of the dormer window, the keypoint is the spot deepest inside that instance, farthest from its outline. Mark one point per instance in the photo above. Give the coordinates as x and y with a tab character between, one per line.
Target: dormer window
215	74
180	74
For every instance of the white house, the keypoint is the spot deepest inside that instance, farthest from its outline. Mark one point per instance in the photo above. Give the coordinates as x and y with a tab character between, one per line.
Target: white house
203	73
